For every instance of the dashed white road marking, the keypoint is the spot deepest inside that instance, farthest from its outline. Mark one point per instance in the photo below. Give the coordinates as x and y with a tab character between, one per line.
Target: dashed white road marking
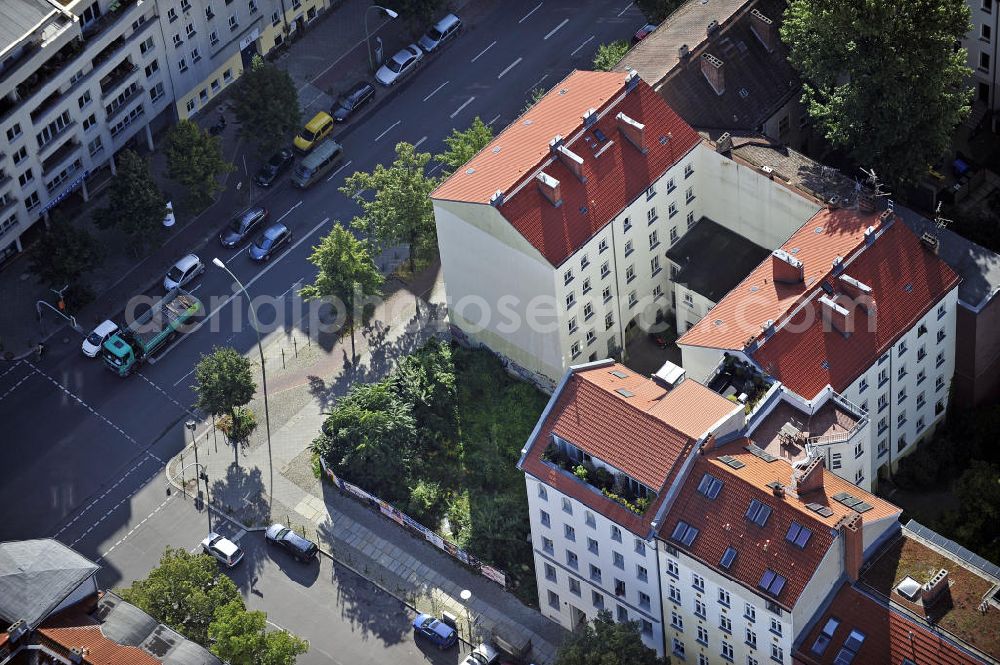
627	7
557	28
509	67
417	144
334	174
165	394
437	89
525	17
495	118
289	212
459	109
484	51
135	528
431	172
577	49
536	84
15	386
12	368
388	129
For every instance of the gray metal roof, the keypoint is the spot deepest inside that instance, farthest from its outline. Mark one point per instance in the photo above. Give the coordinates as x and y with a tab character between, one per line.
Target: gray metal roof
128	625
18	18
712	259
37	575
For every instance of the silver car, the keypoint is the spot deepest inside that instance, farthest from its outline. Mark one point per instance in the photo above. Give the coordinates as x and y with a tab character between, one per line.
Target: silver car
222	549
441	32
183	272
399	65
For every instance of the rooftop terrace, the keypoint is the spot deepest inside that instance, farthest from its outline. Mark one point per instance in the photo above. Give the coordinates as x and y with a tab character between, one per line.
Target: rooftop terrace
785	431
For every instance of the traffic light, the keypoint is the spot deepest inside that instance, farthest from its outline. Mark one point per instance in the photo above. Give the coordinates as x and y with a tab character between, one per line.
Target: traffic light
62	304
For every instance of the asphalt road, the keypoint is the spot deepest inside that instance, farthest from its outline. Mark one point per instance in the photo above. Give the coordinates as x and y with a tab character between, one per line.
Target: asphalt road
84	450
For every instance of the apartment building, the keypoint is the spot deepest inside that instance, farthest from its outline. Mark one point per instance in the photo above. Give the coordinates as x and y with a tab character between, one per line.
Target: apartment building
81	79
628	441
554	238
981	45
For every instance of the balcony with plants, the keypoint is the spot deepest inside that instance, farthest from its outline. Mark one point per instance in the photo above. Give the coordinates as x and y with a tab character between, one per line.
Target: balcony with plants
599	476
740	382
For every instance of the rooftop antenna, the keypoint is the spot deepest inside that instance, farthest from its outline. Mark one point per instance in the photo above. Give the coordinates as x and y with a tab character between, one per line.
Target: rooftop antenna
871	190
941	222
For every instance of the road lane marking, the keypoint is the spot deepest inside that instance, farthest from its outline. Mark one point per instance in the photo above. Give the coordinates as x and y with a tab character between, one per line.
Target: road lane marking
437	89
417	144
525	17
589	39
459	109
535	84
484	51
176	403
248	284
388	129
627	7
15	386
509	67
495	118
136	527
334	174
12	368
557	28
431	172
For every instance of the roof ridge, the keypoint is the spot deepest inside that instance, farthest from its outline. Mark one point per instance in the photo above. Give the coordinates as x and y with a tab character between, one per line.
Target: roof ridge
687	438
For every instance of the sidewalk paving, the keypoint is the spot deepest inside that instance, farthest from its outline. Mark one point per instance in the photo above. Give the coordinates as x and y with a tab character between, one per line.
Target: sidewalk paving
346	530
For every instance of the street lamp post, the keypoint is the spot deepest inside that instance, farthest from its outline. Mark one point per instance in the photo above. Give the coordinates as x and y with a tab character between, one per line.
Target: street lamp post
466	596
200	474
368	41
263	373
190	425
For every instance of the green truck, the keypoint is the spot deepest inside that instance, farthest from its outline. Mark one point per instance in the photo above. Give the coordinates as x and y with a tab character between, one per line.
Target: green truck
128	348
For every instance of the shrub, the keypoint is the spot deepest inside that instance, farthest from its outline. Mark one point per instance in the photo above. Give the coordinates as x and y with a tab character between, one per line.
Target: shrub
426	503
580	472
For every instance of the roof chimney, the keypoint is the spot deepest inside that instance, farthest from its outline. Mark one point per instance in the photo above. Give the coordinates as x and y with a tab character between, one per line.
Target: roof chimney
550	188
810	478
76	655
573	161
634	132
713	25
724	144
683	52
497	199
869	235
931	242
631	80
934	587
838	316
589	118
765	29
853	541
787	269
711	67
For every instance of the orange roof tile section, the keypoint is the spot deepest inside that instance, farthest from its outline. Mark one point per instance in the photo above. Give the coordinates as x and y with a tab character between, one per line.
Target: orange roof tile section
722	521
692	408
99	649
741	316
889	637
520	147
906	280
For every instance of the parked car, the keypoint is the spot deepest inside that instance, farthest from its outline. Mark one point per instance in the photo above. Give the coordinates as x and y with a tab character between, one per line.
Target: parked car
484	654
278	164
182	272
436	631
441	32
315	131
399	65
348	103
269	242
222	549
95	340
300	548
242	226
644	32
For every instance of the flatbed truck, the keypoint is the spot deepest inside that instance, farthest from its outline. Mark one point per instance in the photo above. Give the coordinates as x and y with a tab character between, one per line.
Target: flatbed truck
128	348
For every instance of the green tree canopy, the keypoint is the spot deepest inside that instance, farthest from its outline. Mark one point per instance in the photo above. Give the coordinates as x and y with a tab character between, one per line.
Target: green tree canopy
224	382
658	10
369	437
419	11
267	105
463	145
195	161
426	381
604	642
136	207
400	209
347	273
184	592
609	55
882	79
64	253
241	636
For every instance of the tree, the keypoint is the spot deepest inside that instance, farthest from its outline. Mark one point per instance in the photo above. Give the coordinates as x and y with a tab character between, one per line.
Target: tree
136	207
419	11
658	10
240	636
534	97
462	146
183	592
882	79
400	209
267	104
63	254
605	642
347	273
426	381
195	161
224	384
609	55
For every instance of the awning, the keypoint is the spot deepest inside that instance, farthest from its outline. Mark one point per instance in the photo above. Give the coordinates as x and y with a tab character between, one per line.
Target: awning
69	189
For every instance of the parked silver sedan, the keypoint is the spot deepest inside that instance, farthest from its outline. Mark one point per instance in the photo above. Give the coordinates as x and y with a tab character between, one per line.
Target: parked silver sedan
399	65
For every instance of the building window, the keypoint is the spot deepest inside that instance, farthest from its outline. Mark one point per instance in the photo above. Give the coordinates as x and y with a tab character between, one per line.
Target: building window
13	131
751	639
574	586
673	569
629	247
750	612
275	19
550	572
84	99
677	621
589	518
654	240
674	237
723	597
618	560
20	155
616	534
702	635
688	171
572	325
777	654
883	402
190	105
644	600
901	349
547	545
985	32
641	573
189	30
227	76
609	320
252	6
553	600
901	396
883	447
689	195
233	22
900	443
633	297
651	215
569	532
152	68
901	372
921	376
195	56
775	626
675	594
901	418
859	476
835	460
91	120
640	547
213	38
940	335
698	582
182	65
984	61
575	349
671	210
595	573
939	383
606	293
546	521
863	385
567	277
95	146
859	450
690	219
940	359
172	14
543	493
941	310
572	560
588	311
592	546
53	129
605	269
26	177
586	285
883	377
727	651
602	246
671	186
177	41
699	608
570	299
657	291
627	224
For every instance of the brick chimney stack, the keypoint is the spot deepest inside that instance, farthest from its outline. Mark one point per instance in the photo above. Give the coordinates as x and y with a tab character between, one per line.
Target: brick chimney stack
787	268
854	546
633	131
836	315
810	478
550	188
765	30
712	68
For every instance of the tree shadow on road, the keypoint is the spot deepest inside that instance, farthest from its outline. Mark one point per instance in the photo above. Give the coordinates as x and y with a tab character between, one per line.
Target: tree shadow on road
242	495
370	611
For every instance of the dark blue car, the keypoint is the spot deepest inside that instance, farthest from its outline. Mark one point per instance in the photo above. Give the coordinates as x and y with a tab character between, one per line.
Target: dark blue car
436	631
270	241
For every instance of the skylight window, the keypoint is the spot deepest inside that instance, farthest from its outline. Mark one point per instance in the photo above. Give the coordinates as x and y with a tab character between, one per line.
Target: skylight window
625	393
728	557
684	533
850	649
772	582
824	637
710	486
798	534
758	512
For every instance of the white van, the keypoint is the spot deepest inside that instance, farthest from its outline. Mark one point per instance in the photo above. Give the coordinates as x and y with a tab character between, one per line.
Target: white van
317	163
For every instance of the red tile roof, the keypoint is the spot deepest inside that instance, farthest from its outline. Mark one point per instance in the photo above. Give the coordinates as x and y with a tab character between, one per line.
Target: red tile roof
635	434
722	521
741	315
889	635
98	649
906	279
613	180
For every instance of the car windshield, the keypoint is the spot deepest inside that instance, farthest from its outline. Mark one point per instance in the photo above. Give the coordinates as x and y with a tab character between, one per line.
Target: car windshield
275	161
308	135
434	34
265	242
237	225
175	274
346	103
396	65
94	339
